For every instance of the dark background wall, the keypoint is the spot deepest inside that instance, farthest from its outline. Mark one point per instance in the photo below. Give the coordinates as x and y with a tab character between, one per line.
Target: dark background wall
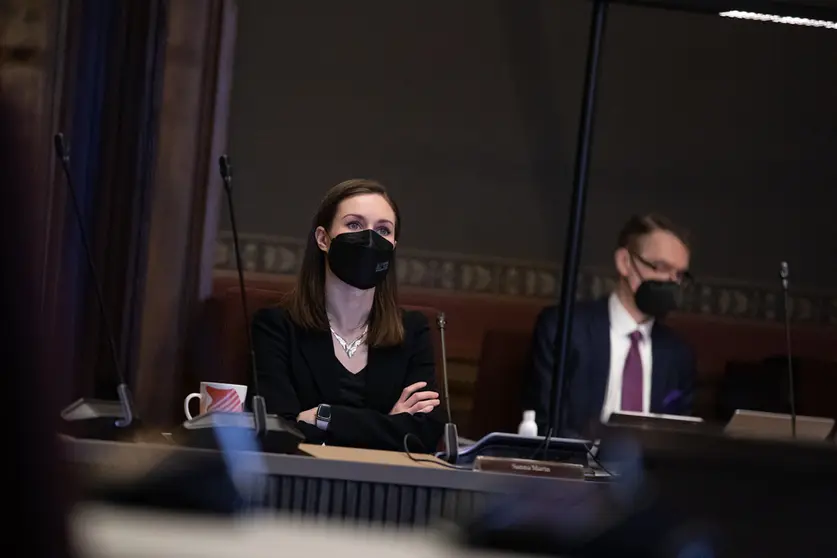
468	109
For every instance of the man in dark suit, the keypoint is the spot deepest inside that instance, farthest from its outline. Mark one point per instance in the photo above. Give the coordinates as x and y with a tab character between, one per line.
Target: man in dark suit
621	358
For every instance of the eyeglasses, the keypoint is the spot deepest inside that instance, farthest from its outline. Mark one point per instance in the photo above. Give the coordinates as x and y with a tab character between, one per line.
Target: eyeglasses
683	277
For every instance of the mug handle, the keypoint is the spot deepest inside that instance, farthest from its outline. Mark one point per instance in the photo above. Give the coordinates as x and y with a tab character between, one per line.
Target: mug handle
186	404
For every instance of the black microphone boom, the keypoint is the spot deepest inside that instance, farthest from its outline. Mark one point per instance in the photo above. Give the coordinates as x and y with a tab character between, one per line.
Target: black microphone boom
784	275
276	434
259	407
91	418
451	432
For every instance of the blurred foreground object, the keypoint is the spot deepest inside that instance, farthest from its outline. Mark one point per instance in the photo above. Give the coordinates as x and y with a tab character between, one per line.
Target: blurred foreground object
230	481
680	494
37	499
119	533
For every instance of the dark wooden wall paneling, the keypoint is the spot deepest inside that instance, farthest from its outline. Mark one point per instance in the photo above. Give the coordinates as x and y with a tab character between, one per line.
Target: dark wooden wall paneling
480	367
192	135
131	115
140	89
33	56
99	89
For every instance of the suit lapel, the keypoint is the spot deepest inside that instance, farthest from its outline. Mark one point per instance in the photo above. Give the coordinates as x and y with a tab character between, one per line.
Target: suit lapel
599	371
660	366
318	353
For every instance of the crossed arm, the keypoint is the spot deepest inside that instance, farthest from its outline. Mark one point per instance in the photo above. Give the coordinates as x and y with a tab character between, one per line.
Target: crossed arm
414	412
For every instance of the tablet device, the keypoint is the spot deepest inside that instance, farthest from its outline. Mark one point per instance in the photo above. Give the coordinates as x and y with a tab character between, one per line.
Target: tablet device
758	424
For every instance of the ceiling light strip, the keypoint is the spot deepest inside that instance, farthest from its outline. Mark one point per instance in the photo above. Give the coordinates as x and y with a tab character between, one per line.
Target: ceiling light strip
780	19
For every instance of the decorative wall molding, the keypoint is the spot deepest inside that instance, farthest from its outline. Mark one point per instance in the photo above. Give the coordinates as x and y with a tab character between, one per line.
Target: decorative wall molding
484	275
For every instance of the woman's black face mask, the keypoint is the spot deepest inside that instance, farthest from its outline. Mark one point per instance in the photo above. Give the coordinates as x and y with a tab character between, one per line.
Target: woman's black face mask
361	259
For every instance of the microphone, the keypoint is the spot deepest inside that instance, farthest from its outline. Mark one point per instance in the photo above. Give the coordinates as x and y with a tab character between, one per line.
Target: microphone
784	275
259	407
82	409
211	430
451	433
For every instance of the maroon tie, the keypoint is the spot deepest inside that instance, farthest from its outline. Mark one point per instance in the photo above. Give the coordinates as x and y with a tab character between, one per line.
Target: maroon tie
632	376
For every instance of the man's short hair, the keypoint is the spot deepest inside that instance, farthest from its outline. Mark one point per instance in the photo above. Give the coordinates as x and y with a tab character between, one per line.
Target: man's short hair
639	226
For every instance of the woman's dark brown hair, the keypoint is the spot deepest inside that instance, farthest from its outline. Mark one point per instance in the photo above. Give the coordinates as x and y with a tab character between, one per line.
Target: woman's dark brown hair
306	304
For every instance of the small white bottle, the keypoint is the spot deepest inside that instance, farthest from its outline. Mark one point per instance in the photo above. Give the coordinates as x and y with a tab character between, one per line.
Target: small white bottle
528	427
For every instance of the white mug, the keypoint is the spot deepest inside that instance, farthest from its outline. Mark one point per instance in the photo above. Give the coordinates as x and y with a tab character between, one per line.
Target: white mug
215	396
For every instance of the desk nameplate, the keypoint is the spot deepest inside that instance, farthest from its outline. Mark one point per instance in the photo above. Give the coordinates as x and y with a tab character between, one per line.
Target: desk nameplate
529	467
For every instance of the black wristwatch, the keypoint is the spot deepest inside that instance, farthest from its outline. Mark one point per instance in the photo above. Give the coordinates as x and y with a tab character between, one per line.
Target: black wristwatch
323	416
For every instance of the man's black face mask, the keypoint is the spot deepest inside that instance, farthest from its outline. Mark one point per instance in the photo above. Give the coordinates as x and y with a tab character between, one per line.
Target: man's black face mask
654	297
657	298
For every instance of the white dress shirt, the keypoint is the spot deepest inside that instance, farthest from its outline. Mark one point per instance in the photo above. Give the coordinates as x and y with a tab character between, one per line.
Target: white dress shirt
622	325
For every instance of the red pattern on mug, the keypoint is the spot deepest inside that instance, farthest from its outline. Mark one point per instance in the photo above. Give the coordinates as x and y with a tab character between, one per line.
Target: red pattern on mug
225	400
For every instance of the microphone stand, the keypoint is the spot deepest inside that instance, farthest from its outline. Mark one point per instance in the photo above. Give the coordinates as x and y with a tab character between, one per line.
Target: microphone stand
122	390
451	432
784	275
215	429
258	403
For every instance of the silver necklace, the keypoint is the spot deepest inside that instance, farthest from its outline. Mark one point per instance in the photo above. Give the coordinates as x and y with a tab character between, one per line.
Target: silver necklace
350	348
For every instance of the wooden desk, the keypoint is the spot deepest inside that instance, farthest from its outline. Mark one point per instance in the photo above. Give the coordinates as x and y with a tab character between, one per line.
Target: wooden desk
377	457
755	498
341	483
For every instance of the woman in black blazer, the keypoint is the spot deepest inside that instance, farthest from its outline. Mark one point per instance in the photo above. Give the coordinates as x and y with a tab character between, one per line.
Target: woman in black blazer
340	357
